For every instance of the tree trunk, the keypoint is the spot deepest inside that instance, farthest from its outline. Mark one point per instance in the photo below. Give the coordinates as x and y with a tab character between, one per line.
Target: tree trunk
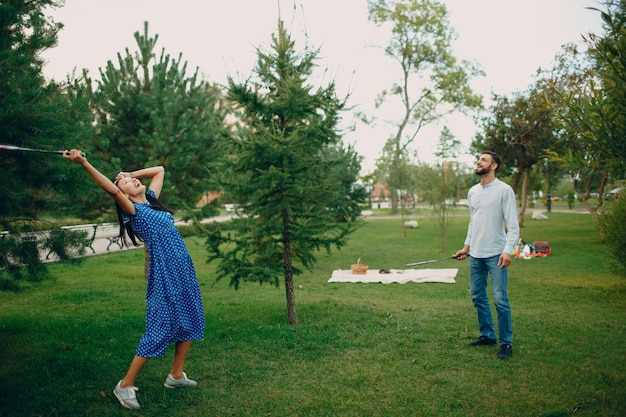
393	197
516	179
292	315
585	197
403	217
443	228
524	199
593	211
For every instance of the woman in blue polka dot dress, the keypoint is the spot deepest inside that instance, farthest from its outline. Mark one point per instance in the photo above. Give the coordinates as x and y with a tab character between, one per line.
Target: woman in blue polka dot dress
174	305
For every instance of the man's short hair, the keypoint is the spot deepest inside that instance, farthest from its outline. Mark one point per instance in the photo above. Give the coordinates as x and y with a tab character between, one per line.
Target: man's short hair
494	157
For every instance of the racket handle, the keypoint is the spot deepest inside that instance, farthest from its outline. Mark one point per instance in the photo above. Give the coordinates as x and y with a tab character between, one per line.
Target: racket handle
68	153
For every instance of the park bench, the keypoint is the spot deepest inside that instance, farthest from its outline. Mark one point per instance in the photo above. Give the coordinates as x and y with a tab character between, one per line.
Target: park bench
111	232
108	231
90	229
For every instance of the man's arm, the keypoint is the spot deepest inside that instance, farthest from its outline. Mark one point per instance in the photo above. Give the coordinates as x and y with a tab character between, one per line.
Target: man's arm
509	211
464	253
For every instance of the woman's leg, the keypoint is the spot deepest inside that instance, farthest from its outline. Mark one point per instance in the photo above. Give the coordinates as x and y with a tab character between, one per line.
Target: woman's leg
135	367
179	358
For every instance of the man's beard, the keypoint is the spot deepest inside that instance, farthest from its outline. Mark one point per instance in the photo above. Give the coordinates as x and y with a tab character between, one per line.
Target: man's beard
481	171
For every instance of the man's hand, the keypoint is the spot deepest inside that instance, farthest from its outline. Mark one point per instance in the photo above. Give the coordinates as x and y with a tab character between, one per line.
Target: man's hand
505	260
461	254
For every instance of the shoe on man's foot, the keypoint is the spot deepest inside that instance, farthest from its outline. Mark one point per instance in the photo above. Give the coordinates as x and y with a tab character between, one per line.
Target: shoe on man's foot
506	351
170	382
482	341
126	396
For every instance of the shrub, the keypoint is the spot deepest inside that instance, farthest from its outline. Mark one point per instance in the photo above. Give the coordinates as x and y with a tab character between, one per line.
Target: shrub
28	244
612	224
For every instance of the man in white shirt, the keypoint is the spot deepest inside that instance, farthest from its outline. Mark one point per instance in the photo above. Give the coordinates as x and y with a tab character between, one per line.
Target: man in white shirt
492	233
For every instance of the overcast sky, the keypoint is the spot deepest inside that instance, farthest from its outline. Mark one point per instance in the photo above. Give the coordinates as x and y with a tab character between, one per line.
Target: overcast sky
510	39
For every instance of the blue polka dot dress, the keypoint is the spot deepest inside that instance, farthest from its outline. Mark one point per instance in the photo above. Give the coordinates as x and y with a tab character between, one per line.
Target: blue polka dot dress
174	305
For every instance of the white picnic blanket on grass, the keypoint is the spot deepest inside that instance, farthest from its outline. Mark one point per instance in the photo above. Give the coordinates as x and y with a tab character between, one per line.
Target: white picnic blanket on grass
400	276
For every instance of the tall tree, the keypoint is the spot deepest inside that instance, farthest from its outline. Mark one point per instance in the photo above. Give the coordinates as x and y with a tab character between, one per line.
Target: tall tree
573	82
443	191
149	111
433	83
520	129
594	111
399	176
294	182
34	113
609	54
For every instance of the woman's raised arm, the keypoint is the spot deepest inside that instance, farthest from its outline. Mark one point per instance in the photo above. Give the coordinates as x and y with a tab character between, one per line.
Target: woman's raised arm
100	179
156	175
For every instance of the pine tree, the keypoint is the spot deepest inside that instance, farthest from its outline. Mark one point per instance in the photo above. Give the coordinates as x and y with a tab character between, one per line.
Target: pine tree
34	113
289	174
149	112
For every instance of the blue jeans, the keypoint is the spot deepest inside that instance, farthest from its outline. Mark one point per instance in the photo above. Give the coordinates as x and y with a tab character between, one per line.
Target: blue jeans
480	269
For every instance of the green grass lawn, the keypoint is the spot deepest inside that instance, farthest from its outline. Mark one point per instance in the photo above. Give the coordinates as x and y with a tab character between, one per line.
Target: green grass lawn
360	349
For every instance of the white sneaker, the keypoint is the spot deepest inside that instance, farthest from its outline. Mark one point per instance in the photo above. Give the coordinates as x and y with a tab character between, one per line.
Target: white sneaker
170	382
126	396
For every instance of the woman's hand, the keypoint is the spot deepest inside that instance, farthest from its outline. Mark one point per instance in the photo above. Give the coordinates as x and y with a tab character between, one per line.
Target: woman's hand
76	156
122	174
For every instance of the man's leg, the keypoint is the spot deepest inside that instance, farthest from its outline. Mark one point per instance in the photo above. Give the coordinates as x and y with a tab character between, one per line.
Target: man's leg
478	293
499	282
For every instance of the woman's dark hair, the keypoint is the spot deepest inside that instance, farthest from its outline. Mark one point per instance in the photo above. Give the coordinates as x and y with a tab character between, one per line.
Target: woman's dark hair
126	228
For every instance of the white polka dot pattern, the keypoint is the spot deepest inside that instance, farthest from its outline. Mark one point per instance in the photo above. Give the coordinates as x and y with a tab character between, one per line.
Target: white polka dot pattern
174	304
